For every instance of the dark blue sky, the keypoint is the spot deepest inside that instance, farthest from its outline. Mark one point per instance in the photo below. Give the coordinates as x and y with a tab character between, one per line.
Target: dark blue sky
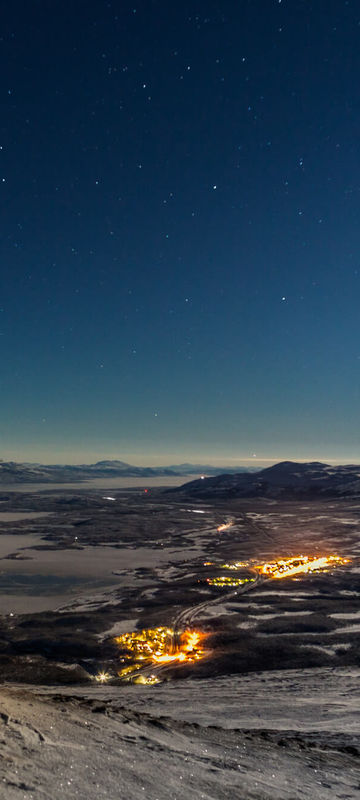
180	229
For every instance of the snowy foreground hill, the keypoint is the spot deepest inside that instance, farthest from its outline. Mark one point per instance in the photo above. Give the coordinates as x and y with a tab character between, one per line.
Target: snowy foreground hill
284	735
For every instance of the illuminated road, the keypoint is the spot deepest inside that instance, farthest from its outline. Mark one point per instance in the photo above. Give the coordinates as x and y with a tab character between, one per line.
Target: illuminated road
178	652
186	617
150	652
184	620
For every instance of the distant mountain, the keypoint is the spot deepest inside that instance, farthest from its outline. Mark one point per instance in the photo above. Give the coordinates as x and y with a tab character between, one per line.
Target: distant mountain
207	469
287	480
13	472
114	464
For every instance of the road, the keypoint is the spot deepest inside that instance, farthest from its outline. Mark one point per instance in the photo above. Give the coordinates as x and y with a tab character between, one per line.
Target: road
185	619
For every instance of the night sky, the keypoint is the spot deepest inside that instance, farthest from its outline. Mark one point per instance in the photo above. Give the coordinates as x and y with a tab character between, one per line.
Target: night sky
180	230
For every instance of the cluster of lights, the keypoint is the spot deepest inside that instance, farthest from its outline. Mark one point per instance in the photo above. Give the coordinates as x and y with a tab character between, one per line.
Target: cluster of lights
225	580
161	645
157	646
146	680
283	568
147	643
225	526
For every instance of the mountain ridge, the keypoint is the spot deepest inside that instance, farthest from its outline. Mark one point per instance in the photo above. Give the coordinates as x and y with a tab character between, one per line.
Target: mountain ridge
27	472
287	479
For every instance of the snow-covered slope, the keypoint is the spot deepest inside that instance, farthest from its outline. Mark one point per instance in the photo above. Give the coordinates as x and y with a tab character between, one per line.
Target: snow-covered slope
275	736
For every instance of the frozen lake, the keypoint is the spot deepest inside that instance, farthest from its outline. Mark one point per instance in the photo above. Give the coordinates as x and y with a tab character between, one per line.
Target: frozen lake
90	562
101	483
38	580
17	516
